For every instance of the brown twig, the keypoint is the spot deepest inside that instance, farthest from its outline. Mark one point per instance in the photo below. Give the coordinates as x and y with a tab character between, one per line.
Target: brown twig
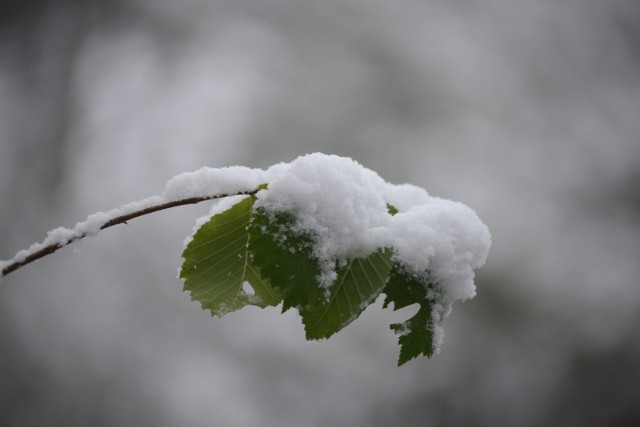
47	250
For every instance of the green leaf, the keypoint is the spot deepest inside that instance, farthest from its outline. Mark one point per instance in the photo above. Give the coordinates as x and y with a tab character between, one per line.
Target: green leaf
416	334
357	285
285	258
217	263
244	244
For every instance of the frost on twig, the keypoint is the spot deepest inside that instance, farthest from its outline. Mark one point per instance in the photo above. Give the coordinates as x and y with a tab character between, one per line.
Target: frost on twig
61	236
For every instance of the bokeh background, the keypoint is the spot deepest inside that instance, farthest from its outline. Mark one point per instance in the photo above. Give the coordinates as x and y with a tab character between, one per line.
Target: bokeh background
527	111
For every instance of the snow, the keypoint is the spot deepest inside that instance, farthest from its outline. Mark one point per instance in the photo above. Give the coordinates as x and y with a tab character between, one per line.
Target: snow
207	182
344	207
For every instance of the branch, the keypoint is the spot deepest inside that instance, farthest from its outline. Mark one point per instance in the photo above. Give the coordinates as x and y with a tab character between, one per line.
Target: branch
44	249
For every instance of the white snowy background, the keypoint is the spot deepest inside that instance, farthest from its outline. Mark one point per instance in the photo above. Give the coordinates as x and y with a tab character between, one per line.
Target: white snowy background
527	111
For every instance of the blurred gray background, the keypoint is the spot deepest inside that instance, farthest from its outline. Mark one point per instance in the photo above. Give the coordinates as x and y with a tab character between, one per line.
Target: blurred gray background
527	111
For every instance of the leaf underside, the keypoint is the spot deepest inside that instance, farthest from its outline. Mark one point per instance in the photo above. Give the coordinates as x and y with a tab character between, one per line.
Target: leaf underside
357	285
416	334
217	263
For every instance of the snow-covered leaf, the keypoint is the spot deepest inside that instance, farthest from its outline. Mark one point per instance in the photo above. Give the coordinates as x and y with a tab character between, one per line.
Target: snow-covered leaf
294	240
285	258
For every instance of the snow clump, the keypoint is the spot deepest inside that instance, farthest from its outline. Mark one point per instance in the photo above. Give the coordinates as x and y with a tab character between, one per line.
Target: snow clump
344	207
